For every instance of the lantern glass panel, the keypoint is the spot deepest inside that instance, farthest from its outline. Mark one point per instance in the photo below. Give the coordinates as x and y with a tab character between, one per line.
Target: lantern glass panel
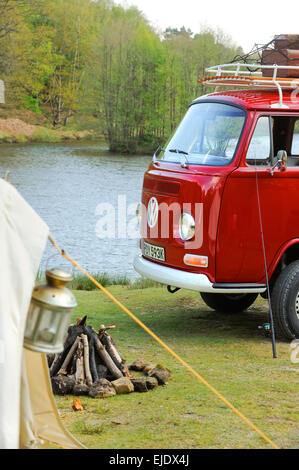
32	319
48	326
46	329
65	318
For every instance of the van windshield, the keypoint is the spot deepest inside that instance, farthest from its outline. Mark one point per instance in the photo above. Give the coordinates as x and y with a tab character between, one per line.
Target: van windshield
208	135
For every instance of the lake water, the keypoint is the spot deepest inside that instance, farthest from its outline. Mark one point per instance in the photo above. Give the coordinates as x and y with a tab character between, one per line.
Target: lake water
65	184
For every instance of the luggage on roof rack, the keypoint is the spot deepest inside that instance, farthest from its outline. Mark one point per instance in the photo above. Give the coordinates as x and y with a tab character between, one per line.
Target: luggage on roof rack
285	52
281	57
286	41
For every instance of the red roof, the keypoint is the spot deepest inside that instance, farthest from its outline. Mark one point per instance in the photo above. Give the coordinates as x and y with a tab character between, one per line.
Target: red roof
258	99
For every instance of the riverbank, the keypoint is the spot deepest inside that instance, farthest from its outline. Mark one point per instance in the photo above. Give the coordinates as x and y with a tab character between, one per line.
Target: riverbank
19	125
230	352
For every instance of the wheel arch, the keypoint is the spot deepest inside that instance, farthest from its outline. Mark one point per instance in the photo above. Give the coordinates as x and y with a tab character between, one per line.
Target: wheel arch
287	253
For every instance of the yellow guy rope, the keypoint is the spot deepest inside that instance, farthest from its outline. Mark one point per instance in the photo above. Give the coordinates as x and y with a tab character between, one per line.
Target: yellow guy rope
164	345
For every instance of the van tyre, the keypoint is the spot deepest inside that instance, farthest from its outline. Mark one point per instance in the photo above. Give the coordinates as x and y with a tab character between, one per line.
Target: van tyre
285	302
228	303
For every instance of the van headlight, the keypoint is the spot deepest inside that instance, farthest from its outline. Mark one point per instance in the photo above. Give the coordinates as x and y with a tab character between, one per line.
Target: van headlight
186	226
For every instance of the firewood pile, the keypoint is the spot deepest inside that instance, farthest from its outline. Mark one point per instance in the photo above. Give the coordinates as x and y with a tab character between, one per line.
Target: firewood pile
90	364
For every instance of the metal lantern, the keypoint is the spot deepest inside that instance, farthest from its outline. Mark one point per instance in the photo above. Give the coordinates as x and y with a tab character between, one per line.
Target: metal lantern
49	313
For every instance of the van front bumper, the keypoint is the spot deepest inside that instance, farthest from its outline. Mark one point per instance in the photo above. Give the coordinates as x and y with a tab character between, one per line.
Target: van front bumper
192	281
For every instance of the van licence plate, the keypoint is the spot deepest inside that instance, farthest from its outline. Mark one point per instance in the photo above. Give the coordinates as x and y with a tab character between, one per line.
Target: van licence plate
154	252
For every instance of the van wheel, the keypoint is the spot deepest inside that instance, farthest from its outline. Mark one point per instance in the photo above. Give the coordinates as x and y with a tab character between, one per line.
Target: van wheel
228	303
285	301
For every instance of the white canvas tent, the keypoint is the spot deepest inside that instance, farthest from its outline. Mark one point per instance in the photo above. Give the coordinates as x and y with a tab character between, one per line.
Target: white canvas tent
28	414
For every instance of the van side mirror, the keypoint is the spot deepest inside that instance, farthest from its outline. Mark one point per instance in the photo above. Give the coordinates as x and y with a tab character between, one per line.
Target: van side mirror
281	162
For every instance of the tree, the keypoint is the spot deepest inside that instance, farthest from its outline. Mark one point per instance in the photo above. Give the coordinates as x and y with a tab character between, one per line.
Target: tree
127	76
68	46
9	16
170	32
48	55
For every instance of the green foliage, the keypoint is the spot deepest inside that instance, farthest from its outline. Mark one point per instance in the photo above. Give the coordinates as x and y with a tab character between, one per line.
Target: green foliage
32	103
42	134
20	139
4	138
70	56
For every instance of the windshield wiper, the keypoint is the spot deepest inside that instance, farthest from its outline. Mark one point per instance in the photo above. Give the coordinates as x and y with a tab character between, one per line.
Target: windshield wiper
182	152
184	164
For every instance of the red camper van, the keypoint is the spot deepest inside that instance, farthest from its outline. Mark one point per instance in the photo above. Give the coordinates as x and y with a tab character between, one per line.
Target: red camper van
221	199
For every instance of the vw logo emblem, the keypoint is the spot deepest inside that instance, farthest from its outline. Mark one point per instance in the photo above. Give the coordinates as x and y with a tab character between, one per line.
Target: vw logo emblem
152	212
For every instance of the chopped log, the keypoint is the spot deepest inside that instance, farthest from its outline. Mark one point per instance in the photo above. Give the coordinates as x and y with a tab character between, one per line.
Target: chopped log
106	340
53	362
62	385
89	332
106	358
86	359
73	332
79	371
102	371
81	389
104	328
161	373
151	382
81	321
57	363
112	350
68	357
140	384
123	385
80	375
92	361
102	389
73	365
50	359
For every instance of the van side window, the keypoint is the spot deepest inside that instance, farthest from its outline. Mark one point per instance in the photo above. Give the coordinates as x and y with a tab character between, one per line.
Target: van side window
295	140
259	150
286	137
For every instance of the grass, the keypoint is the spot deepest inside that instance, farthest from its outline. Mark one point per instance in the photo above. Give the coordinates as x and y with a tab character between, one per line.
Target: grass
4	138
42	134
228	351
81	282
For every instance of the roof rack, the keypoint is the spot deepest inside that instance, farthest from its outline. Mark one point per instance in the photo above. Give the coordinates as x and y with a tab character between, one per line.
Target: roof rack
251	76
